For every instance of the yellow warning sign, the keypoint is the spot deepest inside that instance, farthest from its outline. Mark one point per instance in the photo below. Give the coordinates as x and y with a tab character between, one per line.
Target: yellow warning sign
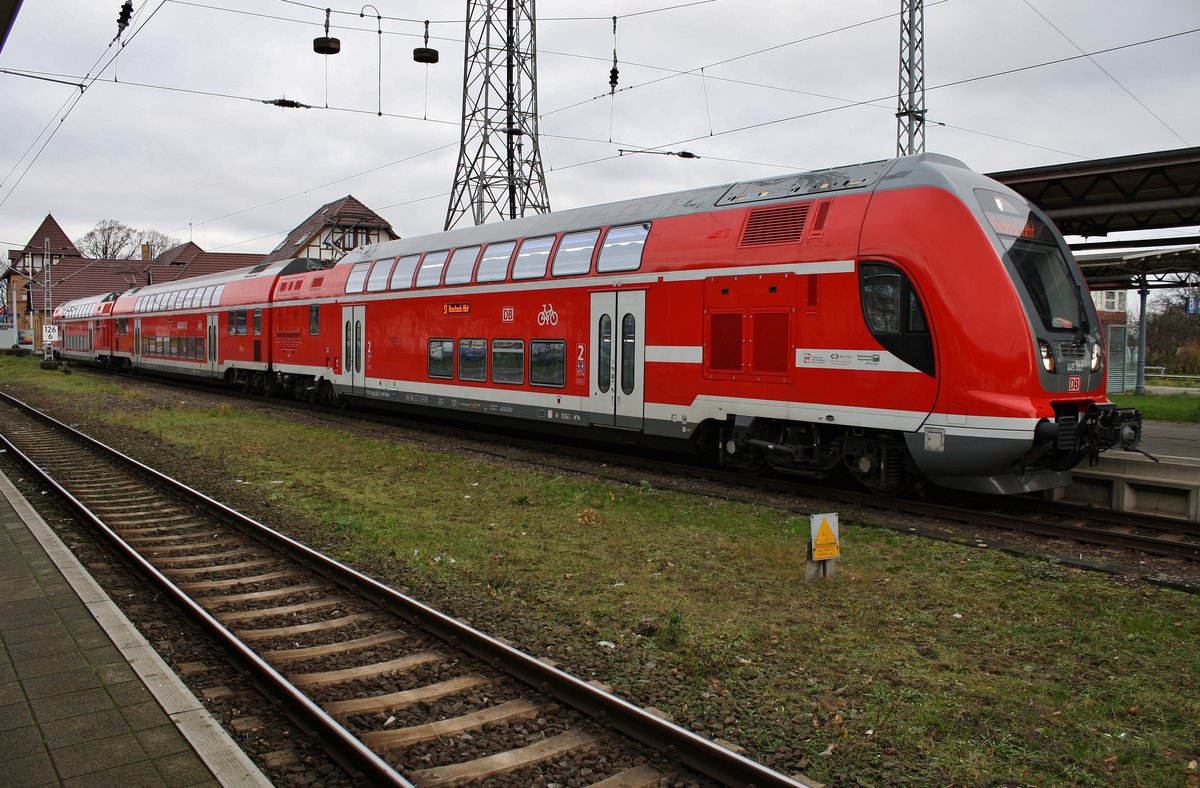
824	536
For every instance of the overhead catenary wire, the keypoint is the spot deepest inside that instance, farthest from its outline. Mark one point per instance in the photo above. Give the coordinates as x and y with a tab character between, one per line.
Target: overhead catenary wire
70	105
1108	74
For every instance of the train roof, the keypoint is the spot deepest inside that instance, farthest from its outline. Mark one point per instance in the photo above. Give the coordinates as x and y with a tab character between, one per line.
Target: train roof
85	307
865	177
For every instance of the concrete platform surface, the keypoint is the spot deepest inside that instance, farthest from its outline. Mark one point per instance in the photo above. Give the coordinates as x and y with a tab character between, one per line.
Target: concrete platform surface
84	699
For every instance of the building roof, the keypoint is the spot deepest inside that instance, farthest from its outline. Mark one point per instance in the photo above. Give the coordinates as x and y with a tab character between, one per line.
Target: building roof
346	212
60	244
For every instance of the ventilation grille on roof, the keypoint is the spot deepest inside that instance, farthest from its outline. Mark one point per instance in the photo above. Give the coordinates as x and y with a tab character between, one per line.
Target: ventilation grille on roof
779	225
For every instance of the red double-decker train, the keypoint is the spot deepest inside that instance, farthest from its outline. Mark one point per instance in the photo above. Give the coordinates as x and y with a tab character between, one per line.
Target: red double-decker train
896	319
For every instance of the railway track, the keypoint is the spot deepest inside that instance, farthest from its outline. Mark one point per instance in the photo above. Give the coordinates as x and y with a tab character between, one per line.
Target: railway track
399	693
1159	536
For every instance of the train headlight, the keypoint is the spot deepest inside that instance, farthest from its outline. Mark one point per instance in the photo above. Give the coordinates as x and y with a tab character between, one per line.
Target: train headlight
1097	357
1047	355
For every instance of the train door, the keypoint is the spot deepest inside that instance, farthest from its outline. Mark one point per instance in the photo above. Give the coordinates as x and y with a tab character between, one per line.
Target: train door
618	340
135	352
354	350
211	363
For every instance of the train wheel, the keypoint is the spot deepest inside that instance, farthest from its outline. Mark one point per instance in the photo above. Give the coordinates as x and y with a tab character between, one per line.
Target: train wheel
877	463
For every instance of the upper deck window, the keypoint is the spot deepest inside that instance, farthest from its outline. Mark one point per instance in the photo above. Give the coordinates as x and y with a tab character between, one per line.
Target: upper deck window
358	277
532	258
494	265
462	265
622	249
379	276
402	274
431	269
574	254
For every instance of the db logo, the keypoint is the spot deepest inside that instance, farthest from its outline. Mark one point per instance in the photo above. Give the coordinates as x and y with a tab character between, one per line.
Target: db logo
1073	383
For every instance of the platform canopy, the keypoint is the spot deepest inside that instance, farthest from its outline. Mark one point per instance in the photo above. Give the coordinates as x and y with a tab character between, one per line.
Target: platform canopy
8	15
1145	192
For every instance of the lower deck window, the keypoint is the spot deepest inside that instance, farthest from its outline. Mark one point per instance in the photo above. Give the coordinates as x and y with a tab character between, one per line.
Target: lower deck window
472	359
508	361
548	362
441	358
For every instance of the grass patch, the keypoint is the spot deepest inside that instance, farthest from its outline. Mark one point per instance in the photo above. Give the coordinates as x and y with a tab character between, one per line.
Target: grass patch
1162	407
920	663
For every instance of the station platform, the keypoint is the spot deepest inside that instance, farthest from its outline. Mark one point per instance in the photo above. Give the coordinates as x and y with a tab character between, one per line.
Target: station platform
1164	484
1170	439
84	699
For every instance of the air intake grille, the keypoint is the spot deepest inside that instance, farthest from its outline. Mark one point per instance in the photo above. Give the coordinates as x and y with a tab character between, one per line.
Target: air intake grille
779	225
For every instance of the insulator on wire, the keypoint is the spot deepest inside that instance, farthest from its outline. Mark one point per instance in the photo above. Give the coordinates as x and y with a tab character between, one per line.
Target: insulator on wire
614	73
425	54
324	45
123	17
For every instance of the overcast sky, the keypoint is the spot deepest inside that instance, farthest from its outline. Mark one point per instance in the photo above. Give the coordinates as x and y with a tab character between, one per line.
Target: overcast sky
173	135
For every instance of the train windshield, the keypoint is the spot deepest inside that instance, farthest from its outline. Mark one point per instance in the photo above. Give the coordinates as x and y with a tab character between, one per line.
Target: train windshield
1033	250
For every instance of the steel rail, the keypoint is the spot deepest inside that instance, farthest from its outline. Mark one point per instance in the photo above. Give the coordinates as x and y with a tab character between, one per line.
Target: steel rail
351	754
700	754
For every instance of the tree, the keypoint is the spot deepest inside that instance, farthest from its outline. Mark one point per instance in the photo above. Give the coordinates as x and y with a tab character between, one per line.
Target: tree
108	240
158	242
114	240
1173	336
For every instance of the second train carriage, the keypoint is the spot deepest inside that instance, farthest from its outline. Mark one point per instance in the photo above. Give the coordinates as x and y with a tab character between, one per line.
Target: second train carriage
889	317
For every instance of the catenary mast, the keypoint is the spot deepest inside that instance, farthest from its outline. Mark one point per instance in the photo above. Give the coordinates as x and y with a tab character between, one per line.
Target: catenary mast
499	173
910	116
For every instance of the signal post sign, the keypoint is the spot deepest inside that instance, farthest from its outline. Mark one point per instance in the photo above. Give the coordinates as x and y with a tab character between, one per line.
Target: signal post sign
823	546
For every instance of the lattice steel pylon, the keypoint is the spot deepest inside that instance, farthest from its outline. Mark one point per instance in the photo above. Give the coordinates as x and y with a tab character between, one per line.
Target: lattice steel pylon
499	173
910	116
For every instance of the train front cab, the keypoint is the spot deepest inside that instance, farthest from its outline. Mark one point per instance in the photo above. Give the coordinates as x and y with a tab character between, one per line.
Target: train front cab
1017	340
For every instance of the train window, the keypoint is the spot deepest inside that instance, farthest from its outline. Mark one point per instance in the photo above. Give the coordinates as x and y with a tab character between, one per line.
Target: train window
430	273
604	350
380	275
628	353
462	265
494	265
314	319
893	312
241	322
508	361
472	359
402	274
258	322
216	299
548	362
622	249
532	258
441	358
574	254
882	298
358	277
